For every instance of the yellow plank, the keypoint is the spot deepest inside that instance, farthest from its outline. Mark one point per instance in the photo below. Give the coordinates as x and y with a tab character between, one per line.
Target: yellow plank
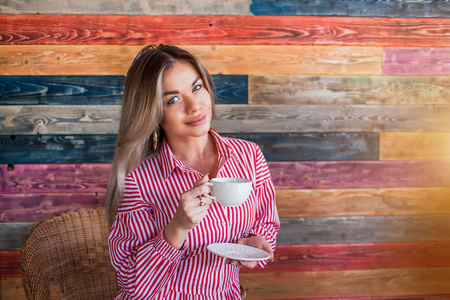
251	60
415	145
358	283
362	202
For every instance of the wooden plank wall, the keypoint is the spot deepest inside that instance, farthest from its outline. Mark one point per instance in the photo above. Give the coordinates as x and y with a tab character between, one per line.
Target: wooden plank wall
349	101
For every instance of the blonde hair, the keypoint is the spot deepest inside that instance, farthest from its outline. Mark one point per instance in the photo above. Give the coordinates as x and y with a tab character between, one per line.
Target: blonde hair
141	114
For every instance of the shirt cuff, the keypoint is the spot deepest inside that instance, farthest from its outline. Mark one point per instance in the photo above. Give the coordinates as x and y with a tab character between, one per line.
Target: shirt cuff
166	250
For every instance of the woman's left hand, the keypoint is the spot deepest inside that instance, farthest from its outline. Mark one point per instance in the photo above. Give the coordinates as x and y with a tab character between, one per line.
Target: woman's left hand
253	241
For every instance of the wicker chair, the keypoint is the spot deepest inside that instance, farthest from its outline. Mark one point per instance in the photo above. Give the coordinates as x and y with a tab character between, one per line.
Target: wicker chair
70	251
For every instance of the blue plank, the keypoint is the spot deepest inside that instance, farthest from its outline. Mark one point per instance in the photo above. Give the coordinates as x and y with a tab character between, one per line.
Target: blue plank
90	90
352	8
34	149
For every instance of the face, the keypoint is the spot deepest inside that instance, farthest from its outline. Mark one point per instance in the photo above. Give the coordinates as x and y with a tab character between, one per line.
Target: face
187	104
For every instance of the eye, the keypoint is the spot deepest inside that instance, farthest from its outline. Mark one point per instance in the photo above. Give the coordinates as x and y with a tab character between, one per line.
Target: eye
197	87
173	100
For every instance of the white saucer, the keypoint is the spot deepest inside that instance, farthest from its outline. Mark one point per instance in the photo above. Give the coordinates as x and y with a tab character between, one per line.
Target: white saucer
238	252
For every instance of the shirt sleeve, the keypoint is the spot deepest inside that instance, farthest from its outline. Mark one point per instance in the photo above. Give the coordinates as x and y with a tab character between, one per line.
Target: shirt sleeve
144	261
267	222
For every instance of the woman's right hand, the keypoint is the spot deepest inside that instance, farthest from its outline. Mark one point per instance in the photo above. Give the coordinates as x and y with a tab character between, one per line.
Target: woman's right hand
189	213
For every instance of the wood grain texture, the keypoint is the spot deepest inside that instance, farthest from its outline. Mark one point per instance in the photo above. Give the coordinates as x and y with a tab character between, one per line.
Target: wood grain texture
295	90
325	257
104	119
362	202
12	288
416	61
93	178
314	146
290	203
42	29
98	148
57	149
415	145
364	229
420	8
37	207
54	179
345	284
138	7
315	230
360	174
218	59
91	90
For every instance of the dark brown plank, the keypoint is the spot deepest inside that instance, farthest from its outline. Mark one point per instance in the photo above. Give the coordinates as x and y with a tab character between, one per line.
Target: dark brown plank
221	30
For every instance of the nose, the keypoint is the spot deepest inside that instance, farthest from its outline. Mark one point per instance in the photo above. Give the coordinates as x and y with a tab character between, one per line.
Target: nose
192	104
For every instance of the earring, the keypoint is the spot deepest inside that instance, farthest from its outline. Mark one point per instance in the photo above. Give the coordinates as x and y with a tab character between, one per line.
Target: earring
155	140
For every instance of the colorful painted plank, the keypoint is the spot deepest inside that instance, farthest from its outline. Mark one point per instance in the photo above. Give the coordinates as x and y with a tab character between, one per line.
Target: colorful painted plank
93	178
362	202
25	149
416	61
315	230
154	7
345	284
325	257
364	229
91	90
219	59
415	145
54	178
104	119
36	149
295	90
360	174
41	29
37	207
12	288
419	8
22	207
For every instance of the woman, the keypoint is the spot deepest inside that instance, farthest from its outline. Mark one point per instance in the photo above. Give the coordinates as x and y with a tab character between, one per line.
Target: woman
166	150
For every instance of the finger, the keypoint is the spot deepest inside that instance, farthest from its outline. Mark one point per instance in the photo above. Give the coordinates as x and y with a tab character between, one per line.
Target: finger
202	180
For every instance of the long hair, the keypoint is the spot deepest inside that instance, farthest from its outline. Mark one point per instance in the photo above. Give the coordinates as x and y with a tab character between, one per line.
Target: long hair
142	112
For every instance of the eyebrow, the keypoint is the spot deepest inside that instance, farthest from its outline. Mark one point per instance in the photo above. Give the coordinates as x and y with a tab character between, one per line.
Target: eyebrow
176	92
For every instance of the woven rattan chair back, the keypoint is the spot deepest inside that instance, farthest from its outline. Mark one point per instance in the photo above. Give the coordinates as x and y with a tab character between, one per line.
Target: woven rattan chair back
71	252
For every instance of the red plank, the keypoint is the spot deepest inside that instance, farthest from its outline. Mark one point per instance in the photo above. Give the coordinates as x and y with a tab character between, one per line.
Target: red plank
9	264
222	30
37	207
92	178
326	257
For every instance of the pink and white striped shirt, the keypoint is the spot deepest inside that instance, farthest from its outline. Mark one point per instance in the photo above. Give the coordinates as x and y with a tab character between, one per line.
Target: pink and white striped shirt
148	267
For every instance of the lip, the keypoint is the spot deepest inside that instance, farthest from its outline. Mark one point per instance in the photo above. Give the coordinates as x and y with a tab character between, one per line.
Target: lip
197	120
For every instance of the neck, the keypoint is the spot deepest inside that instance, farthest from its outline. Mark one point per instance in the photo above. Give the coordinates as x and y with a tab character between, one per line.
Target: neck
193	149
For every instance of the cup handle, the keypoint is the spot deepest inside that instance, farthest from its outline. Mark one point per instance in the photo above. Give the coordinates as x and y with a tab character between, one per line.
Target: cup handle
210	184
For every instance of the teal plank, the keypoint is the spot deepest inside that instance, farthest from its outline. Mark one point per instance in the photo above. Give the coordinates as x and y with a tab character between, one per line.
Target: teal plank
90	90
33	149
352	8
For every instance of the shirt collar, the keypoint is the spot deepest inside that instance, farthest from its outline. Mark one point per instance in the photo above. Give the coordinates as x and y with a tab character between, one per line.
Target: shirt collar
168	161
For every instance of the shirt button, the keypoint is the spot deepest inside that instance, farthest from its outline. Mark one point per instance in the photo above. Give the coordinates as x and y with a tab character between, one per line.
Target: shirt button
224	223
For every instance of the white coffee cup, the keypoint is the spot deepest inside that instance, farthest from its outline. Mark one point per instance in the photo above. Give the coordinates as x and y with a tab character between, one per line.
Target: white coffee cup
230	191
